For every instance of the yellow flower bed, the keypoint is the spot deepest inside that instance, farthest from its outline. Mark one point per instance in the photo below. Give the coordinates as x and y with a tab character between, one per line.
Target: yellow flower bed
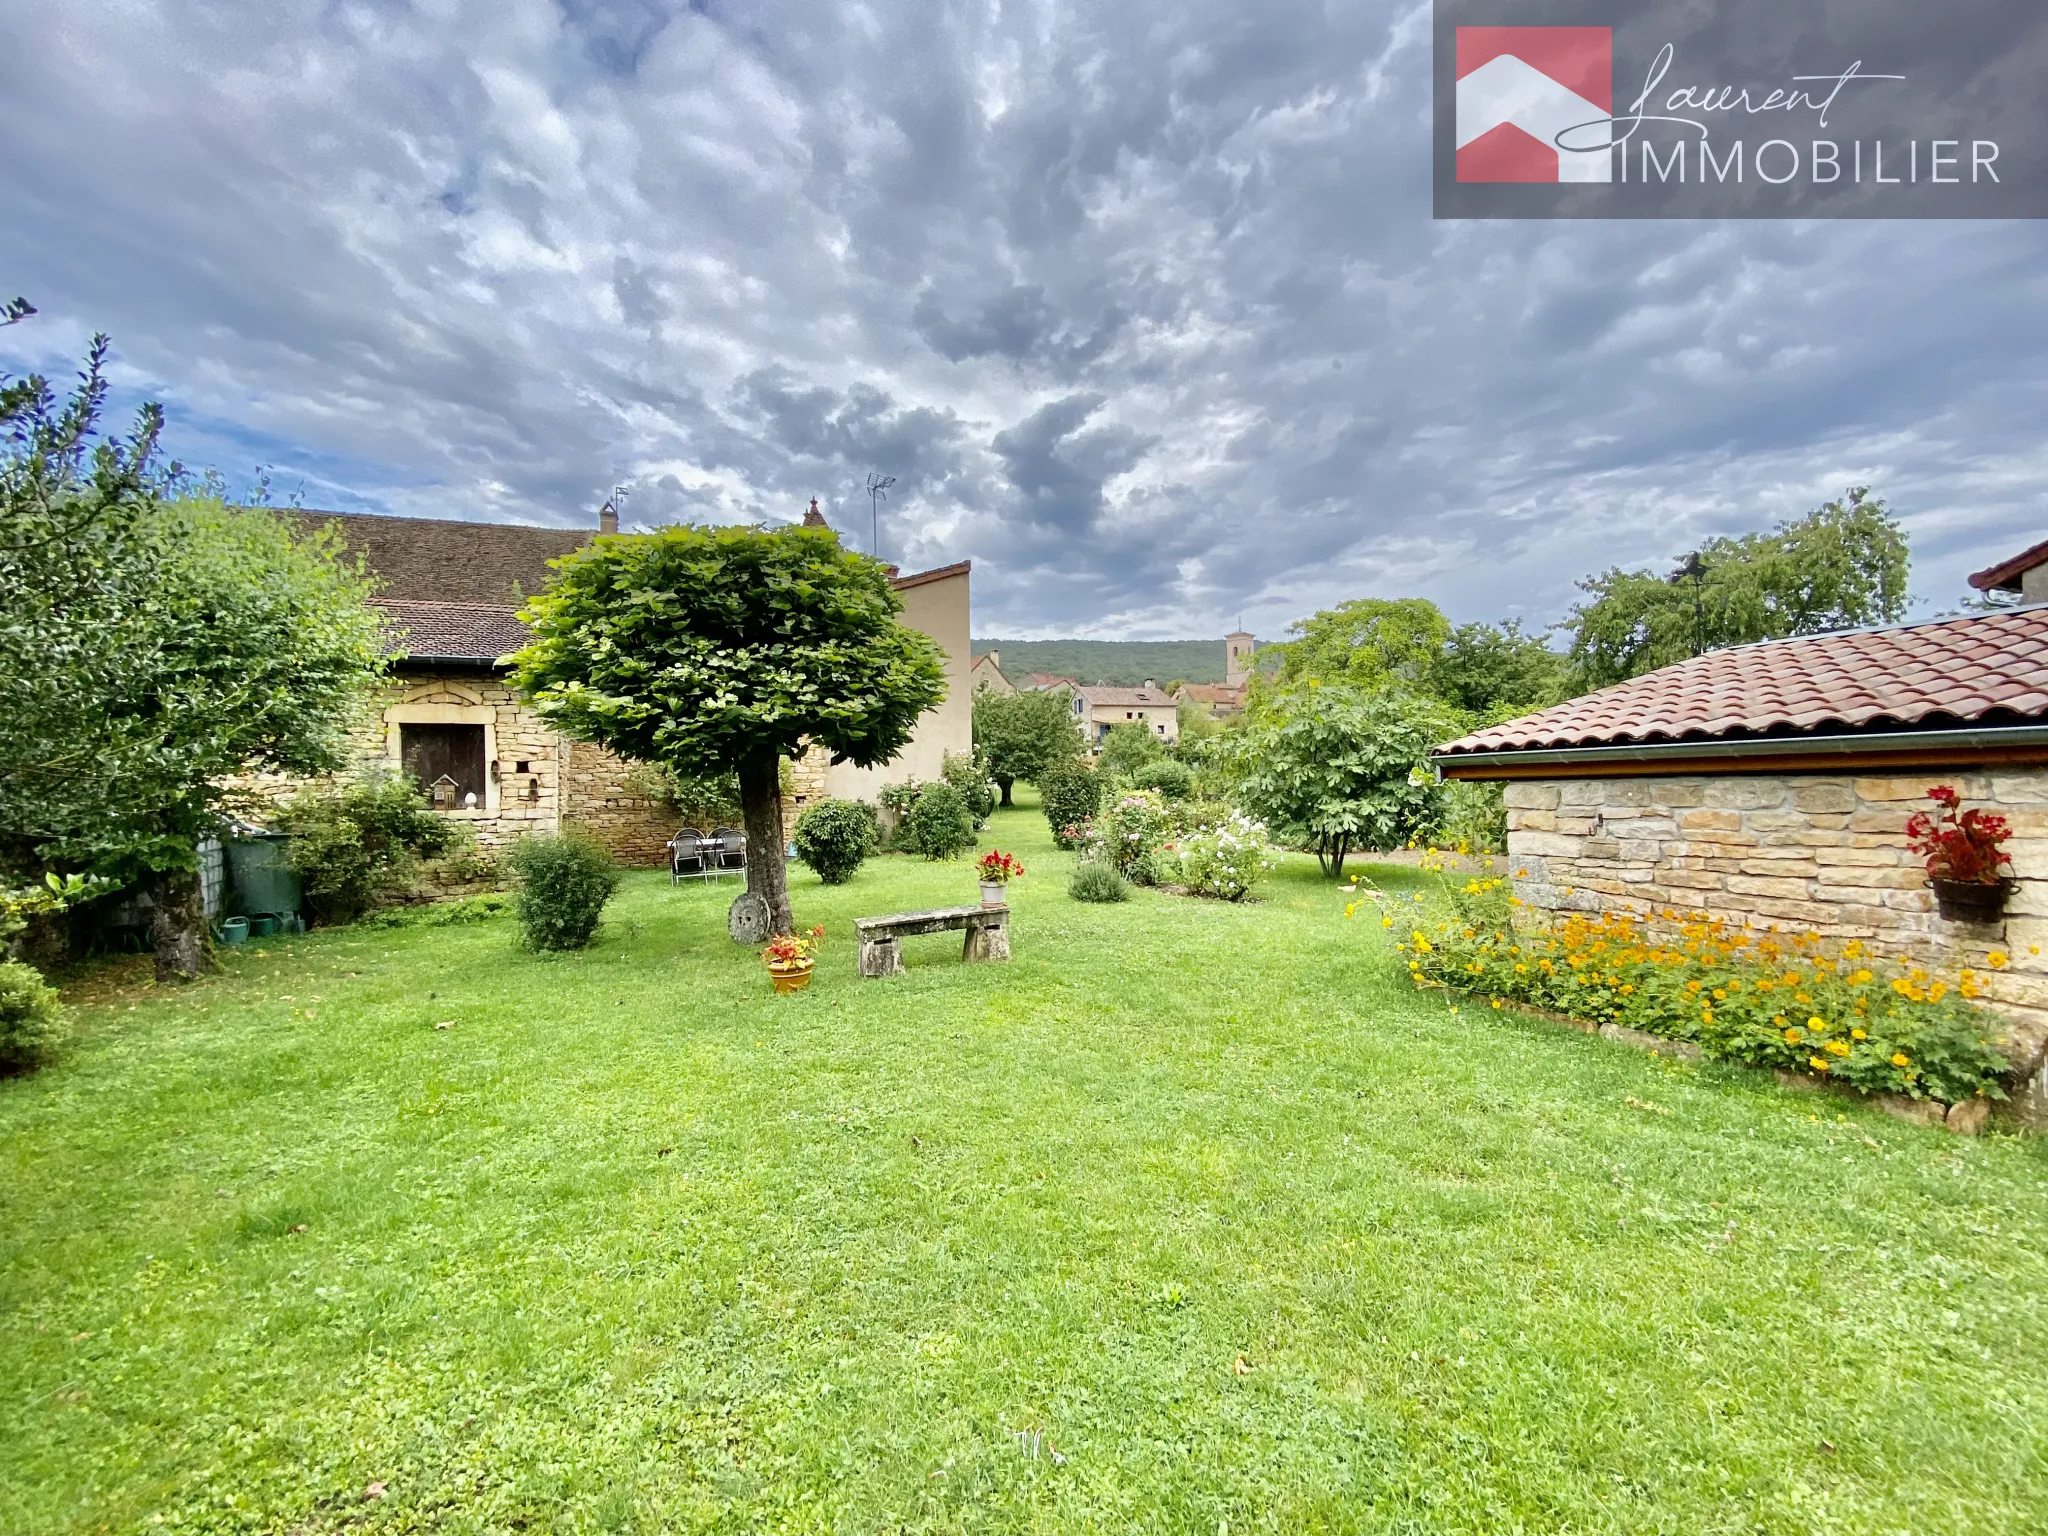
1764	998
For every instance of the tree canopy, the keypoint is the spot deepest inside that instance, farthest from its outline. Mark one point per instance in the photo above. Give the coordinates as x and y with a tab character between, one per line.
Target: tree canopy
1842	565
716	649
154	645
1021	735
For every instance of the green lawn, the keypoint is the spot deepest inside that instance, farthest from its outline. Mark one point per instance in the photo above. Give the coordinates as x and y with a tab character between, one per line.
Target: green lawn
1192	1218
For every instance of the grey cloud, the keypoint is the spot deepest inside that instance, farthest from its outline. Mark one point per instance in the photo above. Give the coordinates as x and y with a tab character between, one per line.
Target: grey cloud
1142	304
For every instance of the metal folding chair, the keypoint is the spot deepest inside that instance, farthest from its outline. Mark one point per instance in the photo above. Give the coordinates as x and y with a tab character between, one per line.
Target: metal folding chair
686	856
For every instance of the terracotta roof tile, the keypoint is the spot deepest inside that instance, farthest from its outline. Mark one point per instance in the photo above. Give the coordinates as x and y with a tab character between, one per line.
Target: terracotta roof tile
476	632
2005	576
1943	672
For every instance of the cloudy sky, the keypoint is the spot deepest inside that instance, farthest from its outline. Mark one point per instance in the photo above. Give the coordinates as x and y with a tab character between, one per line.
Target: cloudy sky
1141	303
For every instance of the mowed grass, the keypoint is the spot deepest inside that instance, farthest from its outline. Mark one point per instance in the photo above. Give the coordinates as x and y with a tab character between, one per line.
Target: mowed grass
1192	1218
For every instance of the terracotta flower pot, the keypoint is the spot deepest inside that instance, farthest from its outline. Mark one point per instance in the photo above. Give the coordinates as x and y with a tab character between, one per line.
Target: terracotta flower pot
1971	901
792	978
992	893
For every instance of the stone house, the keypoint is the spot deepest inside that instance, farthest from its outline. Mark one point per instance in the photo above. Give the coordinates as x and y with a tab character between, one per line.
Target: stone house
449	716
1769	786
1099	710
987	672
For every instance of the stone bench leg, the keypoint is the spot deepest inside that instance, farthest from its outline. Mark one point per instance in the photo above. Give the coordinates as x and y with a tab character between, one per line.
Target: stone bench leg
880	957
987	941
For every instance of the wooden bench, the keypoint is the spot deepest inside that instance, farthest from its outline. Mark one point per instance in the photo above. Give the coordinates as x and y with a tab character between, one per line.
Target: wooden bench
988	935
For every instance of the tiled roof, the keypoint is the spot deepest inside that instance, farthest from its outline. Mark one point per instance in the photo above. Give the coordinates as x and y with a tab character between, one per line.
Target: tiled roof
477	632
1984	668
1038	680
2005	576
1214	693
1125	698
425	559
921	577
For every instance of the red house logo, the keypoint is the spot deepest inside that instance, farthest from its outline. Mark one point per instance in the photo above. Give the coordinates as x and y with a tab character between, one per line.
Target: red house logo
1519	88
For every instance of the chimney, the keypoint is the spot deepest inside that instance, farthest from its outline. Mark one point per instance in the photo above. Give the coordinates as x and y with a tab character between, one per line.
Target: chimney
1150	684
607	518
995	659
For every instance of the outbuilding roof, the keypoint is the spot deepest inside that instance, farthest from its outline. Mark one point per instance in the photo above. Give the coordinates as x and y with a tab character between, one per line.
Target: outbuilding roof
477	633
2005	576
1979	669
426	559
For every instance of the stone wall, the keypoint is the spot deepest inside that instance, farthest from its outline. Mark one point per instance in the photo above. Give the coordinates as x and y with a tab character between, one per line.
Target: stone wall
561	782
1800	853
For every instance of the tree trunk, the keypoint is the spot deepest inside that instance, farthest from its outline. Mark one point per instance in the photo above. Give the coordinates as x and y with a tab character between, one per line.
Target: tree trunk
1004	785
178	924
761	802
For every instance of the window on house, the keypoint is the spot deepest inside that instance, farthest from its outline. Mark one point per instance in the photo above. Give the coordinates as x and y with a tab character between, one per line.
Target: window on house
447	761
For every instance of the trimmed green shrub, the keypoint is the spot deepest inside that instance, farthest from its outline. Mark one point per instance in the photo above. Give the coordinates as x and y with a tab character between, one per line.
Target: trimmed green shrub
834	836
1072	793
1173	781
565	880
1097	880
33	1024
356	846
965	772
940	826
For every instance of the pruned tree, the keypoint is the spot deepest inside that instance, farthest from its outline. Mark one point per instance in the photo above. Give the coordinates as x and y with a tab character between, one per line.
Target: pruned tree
715	649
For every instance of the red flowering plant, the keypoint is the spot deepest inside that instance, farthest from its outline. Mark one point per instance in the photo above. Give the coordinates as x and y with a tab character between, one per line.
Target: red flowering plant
787	950
1958	846
999	868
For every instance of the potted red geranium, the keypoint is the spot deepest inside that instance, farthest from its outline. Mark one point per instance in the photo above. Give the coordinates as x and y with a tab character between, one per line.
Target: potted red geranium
789	958
1964	856
997	870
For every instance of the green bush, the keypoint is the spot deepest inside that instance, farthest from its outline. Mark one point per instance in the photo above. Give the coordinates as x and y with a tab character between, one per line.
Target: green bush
834	836
565	880
358	845
1131	833
1072	793
939	826
1172	780
966	773
1475	816
33	1024
1097	880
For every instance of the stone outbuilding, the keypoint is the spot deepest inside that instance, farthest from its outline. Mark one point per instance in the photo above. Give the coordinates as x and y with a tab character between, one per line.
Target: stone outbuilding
1769	786
449	716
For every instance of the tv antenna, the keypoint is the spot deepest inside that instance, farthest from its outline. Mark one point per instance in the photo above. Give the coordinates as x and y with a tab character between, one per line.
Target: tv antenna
878	487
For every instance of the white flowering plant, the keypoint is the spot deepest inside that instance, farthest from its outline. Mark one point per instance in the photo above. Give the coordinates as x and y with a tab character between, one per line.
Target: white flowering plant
1225	860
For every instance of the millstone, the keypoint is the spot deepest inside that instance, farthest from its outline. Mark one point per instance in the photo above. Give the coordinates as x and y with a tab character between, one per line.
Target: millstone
747	921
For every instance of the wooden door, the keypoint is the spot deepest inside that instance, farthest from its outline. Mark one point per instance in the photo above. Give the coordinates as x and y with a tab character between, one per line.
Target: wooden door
434	753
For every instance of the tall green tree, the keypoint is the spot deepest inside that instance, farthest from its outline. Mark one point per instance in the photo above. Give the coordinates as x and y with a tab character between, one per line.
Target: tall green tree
1369	642
153	648
715	649
1842	565
1021	735
1339	769
1496	671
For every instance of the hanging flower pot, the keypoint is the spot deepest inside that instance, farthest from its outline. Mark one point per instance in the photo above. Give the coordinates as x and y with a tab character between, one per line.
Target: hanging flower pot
1971	901
1964	851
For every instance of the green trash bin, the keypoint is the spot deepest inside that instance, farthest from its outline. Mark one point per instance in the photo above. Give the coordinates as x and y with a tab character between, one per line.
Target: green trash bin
260	875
